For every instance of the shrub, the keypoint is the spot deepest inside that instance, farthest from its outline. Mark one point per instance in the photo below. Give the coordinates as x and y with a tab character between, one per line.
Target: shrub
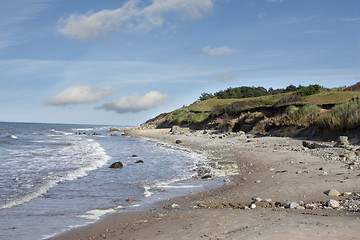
304	116
184	116
309	90
288	100
344	116
237	107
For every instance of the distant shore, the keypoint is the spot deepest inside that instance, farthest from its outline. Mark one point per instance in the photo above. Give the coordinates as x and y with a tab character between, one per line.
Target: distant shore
280	192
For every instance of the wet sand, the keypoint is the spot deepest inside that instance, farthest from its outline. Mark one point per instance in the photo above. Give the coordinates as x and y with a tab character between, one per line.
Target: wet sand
278	170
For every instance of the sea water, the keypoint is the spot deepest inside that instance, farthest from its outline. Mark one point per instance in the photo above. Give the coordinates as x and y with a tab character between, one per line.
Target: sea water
55	177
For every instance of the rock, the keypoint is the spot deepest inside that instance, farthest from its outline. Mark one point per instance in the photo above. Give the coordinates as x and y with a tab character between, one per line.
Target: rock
134	156
293	205
342	141
175	129
332	193
139	161
178	142
268	200
174	205
333	203
113	129
347	194
253	206
311	206
116	165
244	178
206	177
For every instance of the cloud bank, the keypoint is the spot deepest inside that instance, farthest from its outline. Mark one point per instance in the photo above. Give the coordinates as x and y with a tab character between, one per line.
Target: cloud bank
226	77
135	103
80	94
130	17
220	51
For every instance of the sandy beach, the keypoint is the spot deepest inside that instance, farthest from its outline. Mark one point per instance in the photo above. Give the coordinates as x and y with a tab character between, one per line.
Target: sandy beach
281	191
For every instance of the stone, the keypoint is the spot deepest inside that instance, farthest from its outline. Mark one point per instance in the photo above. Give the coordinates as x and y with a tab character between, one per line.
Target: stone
175	129
293	205
206	177
174	205
134	156
139	161
311	206
268	200
178	142
333	203
253	206
347	194
332	193
342	141
116	165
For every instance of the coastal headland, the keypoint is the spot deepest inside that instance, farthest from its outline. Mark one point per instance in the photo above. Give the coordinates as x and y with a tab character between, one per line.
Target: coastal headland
284	188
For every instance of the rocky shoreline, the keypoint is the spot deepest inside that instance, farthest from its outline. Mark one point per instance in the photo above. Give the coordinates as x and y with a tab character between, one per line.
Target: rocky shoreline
283	189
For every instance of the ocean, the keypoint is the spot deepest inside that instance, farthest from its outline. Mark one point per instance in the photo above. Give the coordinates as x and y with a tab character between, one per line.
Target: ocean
54	177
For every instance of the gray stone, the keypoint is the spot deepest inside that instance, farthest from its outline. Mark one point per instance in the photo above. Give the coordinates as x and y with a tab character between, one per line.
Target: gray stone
333	203
178	142
342	141
293	205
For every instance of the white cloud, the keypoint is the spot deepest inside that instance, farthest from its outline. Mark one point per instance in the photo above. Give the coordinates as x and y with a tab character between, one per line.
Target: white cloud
130	17
220	51
135	103
349	19
80	94
226	77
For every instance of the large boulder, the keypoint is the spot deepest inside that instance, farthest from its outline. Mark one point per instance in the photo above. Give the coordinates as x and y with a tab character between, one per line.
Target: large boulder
116	165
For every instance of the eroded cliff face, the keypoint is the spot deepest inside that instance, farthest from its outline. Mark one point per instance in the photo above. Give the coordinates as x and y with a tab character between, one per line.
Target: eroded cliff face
265	121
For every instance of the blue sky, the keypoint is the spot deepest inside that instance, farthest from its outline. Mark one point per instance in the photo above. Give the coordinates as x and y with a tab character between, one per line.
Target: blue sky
123	62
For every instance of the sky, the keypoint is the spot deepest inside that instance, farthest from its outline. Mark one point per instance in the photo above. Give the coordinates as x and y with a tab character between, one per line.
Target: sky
123	62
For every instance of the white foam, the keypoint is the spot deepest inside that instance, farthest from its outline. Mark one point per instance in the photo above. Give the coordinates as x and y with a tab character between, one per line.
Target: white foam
93	156
147	193
96	213
180	186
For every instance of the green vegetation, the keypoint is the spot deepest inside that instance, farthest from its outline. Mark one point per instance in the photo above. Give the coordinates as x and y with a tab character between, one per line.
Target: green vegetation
250	92
344	116
184	116
302	107
309	90
304	116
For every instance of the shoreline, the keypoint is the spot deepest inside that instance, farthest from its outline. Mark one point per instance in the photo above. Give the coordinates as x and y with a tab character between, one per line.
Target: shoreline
276	169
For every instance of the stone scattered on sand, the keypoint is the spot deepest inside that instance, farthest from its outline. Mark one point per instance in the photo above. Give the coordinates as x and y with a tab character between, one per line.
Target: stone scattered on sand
244	178
206	177
293	205
342	141
134	156
178	142
139	161
333	203
332	193
116	165
253	206
347	194
174	205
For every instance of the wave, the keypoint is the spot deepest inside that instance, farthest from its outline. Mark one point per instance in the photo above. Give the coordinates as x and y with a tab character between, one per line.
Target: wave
89	149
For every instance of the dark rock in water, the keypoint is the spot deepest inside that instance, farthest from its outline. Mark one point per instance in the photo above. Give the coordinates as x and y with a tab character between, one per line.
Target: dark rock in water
206	177
140	161
178	142
116	165
134	156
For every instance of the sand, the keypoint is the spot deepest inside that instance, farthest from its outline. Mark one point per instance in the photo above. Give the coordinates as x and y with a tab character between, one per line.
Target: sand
277	169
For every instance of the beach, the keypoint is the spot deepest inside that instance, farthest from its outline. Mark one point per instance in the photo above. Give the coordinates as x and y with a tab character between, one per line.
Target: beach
280	191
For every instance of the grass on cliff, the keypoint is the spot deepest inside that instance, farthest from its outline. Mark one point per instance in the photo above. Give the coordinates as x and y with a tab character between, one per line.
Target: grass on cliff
331	96
185	116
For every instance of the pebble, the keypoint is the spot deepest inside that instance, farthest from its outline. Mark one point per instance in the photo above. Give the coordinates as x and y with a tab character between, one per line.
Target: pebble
333	203
253	206
293	205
